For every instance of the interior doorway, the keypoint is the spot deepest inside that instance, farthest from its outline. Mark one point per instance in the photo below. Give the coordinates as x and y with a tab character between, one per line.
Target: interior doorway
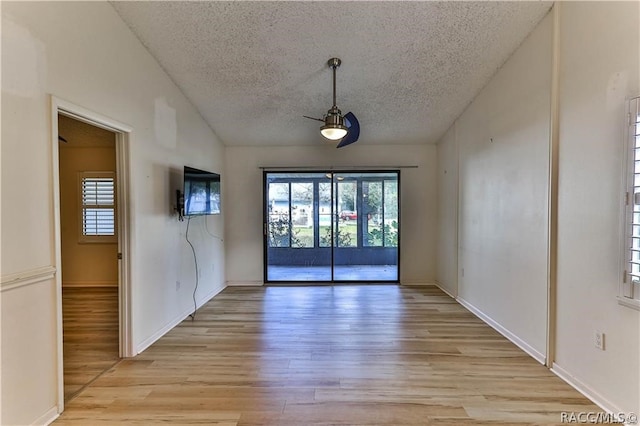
89	251
331	226
94	221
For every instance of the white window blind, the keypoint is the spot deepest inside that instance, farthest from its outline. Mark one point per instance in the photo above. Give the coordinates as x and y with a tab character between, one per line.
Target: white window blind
630	289
97	195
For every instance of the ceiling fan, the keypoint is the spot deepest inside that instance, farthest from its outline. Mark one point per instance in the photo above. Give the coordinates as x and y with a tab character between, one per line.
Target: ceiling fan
336	127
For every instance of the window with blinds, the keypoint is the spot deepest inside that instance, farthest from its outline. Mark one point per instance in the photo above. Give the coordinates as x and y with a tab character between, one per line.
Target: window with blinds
97	194
630	289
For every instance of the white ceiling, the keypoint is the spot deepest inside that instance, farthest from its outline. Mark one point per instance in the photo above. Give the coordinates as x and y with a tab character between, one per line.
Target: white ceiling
253	69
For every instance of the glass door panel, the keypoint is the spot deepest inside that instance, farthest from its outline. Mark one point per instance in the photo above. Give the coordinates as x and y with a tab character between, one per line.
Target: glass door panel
279	231
366	246
346	234
325	217
302	220
391	220
293	229
372	219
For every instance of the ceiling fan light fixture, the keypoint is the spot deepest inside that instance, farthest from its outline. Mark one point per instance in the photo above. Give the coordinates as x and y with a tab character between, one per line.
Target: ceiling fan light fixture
333	132
334	127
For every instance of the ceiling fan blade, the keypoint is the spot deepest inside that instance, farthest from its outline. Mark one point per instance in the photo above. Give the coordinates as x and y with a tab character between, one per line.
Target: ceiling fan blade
354	130
313	118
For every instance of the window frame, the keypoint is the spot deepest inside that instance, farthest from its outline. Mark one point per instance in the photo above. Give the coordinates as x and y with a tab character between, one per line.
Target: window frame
629	289
91	239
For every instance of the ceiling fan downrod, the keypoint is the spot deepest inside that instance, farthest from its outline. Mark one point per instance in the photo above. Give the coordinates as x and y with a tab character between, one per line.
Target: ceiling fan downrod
334	127
334	63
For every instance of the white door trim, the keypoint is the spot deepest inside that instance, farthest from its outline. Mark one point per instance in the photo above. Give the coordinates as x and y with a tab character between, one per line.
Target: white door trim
122	131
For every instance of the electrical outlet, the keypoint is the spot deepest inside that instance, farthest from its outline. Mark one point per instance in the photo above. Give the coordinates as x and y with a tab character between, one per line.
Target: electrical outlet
177	285
598	340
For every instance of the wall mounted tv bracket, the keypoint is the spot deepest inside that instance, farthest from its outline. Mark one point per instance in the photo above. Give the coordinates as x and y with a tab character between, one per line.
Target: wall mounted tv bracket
180	205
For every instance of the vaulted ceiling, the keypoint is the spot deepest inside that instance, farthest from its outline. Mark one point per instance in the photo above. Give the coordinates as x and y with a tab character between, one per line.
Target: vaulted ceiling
253	69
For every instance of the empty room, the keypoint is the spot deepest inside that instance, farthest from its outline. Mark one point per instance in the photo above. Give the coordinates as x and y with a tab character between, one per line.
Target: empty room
297	213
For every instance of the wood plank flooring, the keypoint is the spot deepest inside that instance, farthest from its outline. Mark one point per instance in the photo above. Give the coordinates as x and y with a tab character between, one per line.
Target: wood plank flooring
339	355
90	335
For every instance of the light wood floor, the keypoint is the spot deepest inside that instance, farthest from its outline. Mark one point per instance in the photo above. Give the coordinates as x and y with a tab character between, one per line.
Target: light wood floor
346	355
90	335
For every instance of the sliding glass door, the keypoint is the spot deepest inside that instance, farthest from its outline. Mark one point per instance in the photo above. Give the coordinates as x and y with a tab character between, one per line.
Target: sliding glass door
331	226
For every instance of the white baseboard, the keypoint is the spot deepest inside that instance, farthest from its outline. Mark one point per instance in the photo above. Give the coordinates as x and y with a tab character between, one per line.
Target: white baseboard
164	330
417	283
585	390
210	296
540	357
175	321
48	417
244	283
444	289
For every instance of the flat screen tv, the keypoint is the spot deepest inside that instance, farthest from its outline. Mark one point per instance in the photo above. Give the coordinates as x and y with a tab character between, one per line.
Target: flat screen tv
201	192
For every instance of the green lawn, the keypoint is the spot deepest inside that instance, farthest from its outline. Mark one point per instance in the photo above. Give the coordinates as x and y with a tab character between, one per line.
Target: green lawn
347	235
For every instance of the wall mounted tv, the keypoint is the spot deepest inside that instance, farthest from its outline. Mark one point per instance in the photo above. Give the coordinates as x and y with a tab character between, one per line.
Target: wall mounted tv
201	192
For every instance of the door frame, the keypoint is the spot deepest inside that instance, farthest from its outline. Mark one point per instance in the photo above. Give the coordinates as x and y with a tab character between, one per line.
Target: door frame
122	133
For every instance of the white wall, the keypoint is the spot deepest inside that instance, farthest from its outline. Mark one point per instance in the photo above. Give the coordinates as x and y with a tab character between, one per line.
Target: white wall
599	53
243	194
83	53
505	181
447	246
503	139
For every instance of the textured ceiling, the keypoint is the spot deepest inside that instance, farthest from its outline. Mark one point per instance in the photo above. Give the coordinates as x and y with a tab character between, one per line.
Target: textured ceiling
253	69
